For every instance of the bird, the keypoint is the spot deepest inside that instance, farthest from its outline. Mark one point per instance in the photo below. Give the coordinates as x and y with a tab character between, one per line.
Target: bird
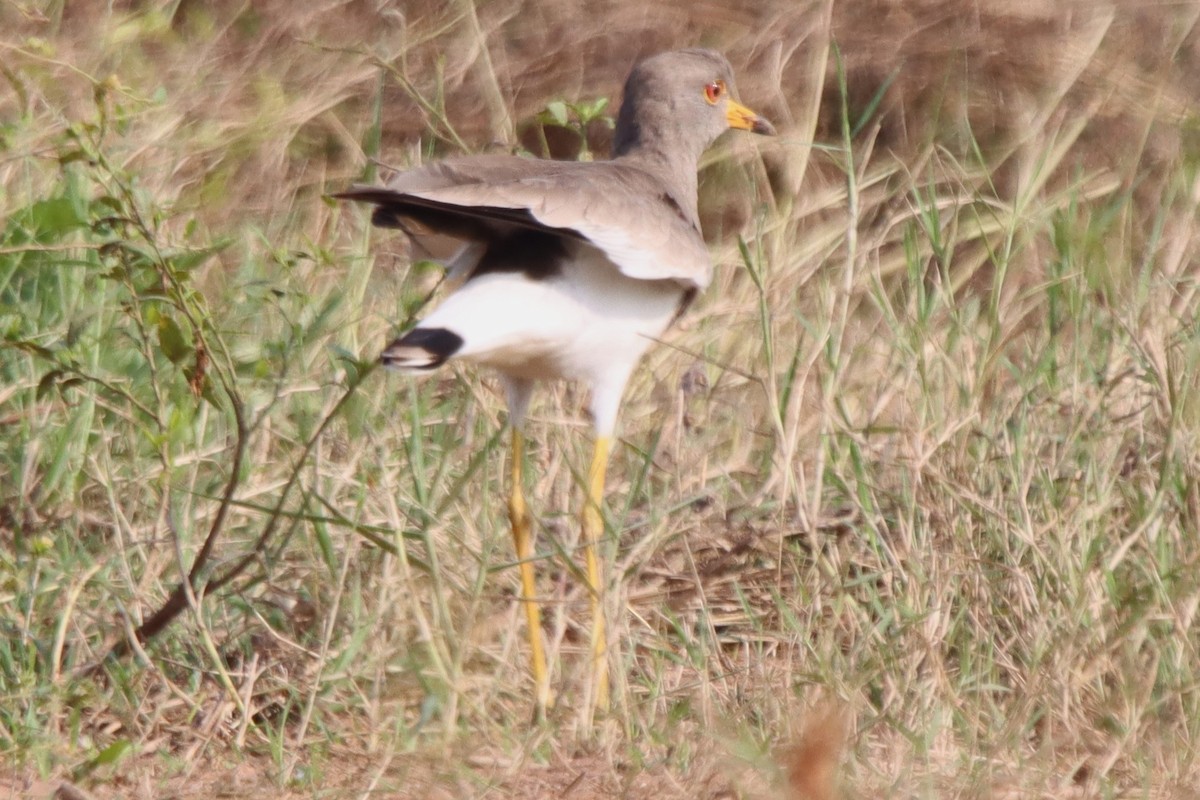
569	271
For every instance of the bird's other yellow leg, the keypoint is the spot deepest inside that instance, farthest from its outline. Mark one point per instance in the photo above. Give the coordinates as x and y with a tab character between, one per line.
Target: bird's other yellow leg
593	527
518	517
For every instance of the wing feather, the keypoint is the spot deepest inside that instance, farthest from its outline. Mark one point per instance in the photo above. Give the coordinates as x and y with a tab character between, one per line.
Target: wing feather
617	208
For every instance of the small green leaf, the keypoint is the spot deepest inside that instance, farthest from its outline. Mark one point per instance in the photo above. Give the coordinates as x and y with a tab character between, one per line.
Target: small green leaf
172	341
107	756
557	110
590	111
47	383
73	155
209	392
107	201
112	753
54	219
187	260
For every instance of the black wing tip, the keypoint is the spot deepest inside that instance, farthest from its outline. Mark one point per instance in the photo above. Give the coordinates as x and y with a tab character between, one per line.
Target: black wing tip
421	349
393	206
387	213
387	217
365	194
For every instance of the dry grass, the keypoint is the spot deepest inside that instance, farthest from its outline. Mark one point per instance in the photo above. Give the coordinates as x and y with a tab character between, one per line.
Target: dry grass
926	447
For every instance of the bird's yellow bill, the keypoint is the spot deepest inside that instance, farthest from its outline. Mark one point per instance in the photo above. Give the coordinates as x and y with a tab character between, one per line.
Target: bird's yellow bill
738	116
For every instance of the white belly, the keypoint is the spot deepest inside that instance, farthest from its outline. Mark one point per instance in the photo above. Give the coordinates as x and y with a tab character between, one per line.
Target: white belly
589	323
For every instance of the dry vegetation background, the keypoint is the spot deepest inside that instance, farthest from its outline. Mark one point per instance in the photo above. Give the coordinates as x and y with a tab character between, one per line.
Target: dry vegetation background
927	449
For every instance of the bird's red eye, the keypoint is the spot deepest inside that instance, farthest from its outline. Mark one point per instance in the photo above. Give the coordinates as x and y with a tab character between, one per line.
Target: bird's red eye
713	92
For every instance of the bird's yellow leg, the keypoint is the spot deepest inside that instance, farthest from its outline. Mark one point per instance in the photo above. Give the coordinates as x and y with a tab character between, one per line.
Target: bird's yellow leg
518	517
593	527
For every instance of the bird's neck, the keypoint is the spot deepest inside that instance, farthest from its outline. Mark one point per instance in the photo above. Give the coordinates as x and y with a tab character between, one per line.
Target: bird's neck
674	168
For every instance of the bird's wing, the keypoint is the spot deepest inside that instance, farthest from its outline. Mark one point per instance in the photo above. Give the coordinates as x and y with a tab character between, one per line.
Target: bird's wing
621	210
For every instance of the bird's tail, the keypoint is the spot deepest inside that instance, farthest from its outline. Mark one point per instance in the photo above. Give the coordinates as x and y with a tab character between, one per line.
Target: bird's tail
421	349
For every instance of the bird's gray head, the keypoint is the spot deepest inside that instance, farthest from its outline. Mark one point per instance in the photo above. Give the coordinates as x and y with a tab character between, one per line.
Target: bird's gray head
680	102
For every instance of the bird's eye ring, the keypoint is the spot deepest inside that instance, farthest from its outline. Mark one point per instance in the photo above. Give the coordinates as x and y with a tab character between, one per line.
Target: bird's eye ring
713	92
